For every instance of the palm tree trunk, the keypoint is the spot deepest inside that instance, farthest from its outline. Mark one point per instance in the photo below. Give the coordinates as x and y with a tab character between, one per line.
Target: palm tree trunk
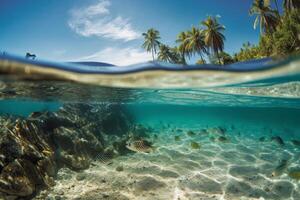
182	58
218	57
152	54
202	58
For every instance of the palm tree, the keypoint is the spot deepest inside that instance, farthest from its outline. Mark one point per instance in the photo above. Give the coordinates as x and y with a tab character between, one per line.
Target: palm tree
182	39
291	4
268	3
213	35
178	57
168	54
265	16
276	5
151	42
164	53
195	42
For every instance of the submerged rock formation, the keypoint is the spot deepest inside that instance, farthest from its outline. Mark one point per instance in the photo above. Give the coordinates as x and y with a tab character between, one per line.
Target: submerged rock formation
33	149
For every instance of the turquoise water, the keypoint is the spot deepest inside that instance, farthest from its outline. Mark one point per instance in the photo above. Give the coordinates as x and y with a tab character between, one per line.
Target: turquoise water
230	142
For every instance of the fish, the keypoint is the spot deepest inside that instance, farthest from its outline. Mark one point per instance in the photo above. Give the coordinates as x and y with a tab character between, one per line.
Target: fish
283	164
191	133
179	130
294	174
105	157
262	139
217	131
203	132
195	145
141	146
94	110
296	142
177	138
223	139
36	114
278	140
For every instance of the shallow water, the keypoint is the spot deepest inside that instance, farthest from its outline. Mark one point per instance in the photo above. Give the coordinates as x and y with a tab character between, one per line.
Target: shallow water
205	143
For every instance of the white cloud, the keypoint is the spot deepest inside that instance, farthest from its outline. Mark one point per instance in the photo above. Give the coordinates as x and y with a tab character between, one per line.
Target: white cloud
119	56
96	20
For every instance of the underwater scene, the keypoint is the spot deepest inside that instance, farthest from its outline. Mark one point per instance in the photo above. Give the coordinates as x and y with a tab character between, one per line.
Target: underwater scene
150	100
62	139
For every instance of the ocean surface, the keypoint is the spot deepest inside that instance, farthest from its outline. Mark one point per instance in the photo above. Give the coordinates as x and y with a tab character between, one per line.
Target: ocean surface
150	131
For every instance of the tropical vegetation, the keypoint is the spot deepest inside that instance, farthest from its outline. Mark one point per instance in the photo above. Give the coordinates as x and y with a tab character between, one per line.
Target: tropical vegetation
214	38
151	43
266	17
168	54
279	36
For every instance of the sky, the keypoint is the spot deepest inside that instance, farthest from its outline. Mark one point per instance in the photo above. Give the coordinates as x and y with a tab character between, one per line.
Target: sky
111	30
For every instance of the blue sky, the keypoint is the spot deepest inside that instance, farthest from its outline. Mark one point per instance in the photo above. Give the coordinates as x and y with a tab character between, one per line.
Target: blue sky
110	30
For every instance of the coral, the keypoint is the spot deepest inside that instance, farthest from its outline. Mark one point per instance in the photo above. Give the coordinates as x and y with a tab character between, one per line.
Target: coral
33	149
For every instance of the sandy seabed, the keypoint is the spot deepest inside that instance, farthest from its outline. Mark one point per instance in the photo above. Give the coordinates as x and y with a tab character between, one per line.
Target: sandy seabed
236	170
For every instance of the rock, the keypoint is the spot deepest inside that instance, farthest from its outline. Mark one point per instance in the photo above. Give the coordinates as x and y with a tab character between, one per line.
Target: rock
33	149
80	177
119	168
27	160
15	180
8	197
58	197
74	162
77	148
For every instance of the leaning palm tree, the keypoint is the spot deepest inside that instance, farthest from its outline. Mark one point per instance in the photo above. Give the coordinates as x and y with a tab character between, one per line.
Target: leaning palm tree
195	42
183	40
213	36
151	42
291	4
265	16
